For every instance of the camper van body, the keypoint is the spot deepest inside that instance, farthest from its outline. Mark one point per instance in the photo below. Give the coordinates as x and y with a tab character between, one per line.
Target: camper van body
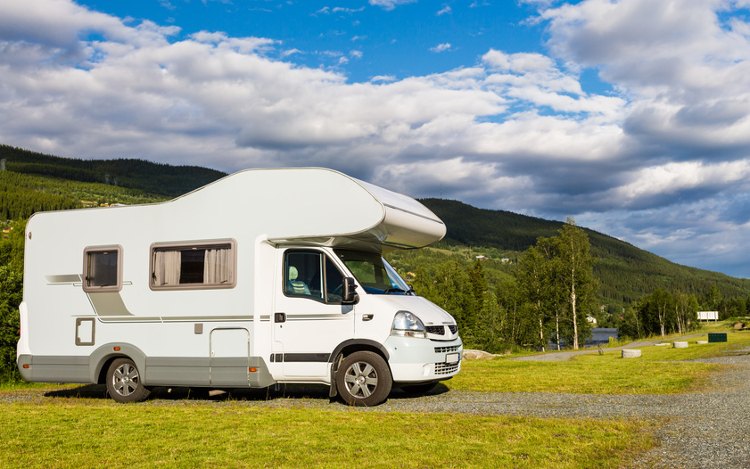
245	282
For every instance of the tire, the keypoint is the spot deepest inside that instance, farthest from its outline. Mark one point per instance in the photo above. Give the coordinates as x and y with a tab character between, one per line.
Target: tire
364	379
124	381
419	389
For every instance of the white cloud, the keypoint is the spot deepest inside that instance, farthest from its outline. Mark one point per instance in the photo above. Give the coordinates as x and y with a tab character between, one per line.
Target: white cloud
290	52
446	10
666	180
655	49
383	78
389	4
442	47
326	10
347	10
536	78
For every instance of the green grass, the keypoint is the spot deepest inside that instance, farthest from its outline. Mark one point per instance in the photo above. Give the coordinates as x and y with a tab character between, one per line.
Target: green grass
11	386
660	370
92	433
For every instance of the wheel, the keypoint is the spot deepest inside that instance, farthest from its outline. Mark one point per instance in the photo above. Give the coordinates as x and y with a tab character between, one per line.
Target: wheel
418	389
364	379
124	381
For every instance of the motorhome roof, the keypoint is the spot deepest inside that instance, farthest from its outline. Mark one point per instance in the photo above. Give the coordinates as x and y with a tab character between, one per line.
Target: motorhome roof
322	206
313	206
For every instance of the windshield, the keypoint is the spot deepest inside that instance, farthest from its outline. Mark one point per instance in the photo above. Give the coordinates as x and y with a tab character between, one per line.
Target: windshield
374	273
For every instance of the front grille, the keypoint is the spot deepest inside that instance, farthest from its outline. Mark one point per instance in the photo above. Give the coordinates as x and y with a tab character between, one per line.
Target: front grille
453	328
452	348
445	368
437	330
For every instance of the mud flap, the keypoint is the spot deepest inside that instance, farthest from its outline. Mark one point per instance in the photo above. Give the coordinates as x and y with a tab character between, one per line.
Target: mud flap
333	391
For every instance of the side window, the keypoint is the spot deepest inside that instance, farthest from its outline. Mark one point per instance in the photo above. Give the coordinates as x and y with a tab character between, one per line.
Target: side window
191	266
334	282
303	274
313	275
102	269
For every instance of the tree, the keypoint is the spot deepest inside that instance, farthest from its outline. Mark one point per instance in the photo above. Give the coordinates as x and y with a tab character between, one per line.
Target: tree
11	284
577	275
685	306
534	277
663	312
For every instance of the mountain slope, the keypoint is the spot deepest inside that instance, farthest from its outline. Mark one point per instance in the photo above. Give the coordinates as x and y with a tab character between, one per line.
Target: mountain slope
154	178
625	272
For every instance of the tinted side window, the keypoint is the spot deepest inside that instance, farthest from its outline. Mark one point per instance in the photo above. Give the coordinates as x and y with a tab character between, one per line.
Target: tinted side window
313	275
101	269
303	274
334	282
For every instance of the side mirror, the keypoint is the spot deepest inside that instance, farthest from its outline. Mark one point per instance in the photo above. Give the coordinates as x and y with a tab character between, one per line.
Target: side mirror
349	296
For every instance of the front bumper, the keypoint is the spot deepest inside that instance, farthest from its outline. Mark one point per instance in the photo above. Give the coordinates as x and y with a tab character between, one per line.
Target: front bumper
418	360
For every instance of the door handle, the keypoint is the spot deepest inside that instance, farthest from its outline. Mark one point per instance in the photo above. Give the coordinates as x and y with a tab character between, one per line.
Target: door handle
367	317
279	317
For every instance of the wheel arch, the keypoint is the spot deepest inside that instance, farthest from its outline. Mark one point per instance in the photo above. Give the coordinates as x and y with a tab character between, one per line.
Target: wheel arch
100	359
348	347
354	345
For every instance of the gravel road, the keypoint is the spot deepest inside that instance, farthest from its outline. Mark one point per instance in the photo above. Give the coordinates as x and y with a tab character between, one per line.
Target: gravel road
707	429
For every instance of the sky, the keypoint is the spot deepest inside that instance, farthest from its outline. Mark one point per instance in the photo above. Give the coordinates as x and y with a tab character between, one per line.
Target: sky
632	116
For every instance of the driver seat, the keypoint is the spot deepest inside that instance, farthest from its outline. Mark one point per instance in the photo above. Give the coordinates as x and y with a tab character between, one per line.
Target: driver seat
295	286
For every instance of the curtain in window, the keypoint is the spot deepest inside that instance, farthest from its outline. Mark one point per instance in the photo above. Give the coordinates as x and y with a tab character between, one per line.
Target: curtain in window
167	268
93	275
217	267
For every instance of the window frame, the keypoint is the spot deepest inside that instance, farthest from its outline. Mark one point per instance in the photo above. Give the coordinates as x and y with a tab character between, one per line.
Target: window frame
325	256
87	251
189	245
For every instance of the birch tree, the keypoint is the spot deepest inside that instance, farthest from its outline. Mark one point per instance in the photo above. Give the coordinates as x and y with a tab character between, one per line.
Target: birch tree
533	282
577	275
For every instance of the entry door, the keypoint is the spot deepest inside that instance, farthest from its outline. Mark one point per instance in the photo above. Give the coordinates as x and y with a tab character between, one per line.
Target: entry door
230	349
309	320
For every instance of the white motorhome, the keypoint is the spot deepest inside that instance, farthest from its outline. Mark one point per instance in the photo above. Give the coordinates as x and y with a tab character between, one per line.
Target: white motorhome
246	282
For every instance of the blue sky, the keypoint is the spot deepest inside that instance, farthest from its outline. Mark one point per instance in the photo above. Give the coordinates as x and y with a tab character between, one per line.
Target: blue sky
393	41
633	116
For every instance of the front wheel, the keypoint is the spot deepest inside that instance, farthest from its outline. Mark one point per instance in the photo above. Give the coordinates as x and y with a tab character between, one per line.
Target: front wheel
124	382
364	379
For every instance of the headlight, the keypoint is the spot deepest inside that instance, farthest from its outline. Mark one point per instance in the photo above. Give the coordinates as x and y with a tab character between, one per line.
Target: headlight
407	324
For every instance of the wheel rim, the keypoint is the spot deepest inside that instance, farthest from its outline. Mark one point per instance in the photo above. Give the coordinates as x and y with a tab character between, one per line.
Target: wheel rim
125	379
361	380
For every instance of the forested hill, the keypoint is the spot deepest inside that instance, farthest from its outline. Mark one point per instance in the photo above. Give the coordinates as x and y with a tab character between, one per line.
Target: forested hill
153	178
625	272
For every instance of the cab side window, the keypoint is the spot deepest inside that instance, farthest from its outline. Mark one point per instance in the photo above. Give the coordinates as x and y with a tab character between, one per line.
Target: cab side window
334	282
311	274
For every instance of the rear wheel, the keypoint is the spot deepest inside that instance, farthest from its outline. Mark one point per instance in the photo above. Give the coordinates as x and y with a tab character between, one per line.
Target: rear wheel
124	381
364	379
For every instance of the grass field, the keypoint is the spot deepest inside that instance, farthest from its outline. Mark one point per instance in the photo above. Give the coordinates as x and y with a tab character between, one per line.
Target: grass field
88	432
95	433
660	370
